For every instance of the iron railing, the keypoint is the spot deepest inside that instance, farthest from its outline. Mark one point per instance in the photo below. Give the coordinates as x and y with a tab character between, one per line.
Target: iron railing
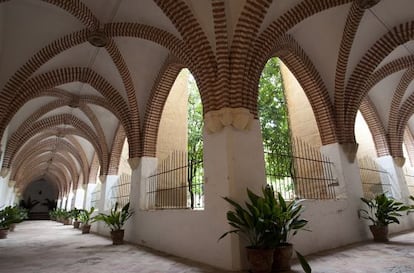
306	173
95	198
121	191
177	184
375	180
409	179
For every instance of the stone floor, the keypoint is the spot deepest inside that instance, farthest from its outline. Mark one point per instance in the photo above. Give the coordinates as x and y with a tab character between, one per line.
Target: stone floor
50	247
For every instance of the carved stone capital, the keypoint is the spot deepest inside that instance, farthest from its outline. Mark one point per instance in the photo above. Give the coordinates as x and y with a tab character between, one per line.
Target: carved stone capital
11	183
239	118
4	172
102	178
367	4
134	162
399	161
350	150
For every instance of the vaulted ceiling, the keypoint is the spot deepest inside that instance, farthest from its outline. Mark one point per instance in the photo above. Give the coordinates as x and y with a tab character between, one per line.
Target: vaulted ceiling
78	76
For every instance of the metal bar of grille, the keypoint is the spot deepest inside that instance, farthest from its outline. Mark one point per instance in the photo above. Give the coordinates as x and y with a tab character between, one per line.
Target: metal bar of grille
310	175
177	184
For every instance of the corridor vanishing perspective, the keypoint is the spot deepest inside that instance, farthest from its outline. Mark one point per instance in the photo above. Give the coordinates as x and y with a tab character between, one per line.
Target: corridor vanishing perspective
171	105
32	249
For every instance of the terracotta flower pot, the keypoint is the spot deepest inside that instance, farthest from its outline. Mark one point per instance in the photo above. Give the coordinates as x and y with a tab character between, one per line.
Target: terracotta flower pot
117	237
76	224
282	257
85	228
380	233
3	233
12	227
260	260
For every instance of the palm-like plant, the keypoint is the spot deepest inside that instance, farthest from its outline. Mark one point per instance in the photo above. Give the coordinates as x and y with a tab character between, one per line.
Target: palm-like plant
116	219
382	210
85	216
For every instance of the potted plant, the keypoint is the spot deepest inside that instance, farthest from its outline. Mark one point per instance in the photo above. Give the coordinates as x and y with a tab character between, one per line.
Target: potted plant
66	217
16	215
75	215
252	223
268	223
5	222
286	222
382	211
115	221
85	218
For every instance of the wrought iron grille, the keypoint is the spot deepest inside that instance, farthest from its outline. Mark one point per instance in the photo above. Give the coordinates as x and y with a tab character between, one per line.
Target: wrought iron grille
177	184
409	179
305	173
96	197
375	180
121	191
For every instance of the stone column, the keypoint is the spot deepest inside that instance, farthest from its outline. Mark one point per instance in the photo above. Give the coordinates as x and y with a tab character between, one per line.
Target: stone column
79	196
69	201
393	166
107	201
233	161
141	168
88	195
59	203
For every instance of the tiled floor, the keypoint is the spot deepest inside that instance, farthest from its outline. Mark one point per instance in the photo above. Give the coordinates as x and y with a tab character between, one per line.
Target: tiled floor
50	247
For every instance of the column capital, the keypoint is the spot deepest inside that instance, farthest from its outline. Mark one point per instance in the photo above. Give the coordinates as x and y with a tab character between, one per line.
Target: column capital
11	183
350	150
4	172
399	161
239	118
134	162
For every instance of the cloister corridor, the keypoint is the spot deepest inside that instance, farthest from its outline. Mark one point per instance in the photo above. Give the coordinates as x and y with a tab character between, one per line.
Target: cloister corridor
50	247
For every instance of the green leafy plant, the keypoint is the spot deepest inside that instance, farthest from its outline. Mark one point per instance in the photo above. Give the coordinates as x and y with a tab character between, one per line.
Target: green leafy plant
251	223
382	210
75	213
116	219
266	221
85	216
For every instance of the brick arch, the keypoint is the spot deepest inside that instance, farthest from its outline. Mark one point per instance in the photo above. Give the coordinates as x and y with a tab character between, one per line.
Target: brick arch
245	35
288	50
396	137
379	135
20	137
83	99
93	170
264	44
78	10
399	92
399	35
159	95
409	144
41	143
62	178
51	178
123	70
29	164
386	70
116	151
351	27
44	156
204	61
58	77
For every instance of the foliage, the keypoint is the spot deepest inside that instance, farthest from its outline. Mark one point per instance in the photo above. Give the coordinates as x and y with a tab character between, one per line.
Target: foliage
11	215
85	216
117	218
75	213
50	204
273	115
194	138
253	224
382	210
29	204
267	221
